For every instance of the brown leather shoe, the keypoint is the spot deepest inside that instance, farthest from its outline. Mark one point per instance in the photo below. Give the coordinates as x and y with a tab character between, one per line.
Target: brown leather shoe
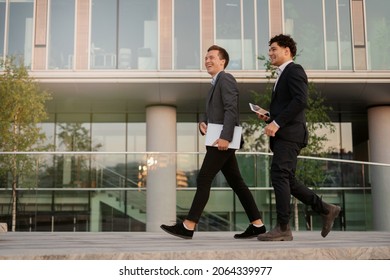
328	219
277	234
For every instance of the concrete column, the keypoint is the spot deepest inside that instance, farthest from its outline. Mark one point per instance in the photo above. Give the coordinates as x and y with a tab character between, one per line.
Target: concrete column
379	135
161	178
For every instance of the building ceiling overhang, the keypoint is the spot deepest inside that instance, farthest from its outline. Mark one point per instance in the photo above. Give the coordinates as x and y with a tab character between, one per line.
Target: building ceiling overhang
127	91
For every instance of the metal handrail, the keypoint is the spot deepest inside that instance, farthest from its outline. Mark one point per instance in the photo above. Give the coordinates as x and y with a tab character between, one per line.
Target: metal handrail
189	153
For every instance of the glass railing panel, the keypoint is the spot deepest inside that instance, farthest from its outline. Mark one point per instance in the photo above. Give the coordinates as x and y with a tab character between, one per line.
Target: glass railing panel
107	191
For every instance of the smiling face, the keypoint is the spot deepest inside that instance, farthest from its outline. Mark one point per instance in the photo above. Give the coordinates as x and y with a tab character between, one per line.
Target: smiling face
278	55
213	63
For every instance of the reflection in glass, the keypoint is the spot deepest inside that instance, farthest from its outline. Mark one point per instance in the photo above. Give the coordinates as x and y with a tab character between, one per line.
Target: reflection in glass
124	34
136	136
307	30
332	22
228	30
2	27
186	44
103	34
378	34
263	35
20	30
73	135
119	198
137	34
109	133
332	46
345	34
338	35
61	34
249	36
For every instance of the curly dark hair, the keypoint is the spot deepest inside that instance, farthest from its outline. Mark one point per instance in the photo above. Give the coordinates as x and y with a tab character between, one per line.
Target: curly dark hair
285	41
223	54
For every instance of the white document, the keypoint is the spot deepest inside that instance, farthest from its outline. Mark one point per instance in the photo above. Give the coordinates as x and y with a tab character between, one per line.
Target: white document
214	131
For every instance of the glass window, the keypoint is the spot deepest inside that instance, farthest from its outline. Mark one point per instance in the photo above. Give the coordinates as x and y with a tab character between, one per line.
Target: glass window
263	35
187	44
136	141
136	133
307	30
242	28
249	55
187	136
378	34
109	132
188	163
345	34
340	141
137	34
2	27
104	34
73	132
228	30
109	135
61	34
124	34
332	46
48	128
20	30
46	162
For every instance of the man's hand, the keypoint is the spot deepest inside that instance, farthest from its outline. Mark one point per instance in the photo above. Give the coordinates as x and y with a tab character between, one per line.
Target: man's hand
203	128
223	144
271	129
263	117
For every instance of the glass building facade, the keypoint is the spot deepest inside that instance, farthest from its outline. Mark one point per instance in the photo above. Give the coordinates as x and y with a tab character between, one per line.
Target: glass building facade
107	61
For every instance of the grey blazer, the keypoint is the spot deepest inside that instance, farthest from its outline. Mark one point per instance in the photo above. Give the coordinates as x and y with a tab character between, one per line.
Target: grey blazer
222	105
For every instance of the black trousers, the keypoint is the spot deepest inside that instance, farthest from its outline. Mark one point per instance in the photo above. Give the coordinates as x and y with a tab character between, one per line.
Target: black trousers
226	162
283	167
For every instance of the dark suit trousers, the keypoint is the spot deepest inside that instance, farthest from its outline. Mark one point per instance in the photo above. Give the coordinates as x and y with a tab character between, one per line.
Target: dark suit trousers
226	162
283	167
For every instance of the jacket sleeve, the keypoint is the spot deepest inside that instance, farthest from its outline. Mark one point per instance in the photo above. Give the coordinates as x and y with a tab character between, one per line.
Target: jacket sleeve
229	95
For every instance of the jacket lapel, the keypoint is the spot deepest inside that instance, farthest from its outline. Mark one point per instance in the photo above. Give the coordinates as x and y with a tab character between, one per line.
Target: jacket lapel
211	91
280	78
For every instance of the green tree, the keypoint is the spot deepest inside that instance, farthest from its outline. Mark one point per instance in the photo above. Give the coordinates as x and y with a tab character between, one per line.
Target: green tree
22	108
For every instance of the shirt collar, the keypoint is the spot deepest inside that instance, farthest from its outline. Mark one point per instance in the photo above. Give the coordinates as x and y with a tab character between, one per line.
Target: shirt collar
281	67
214	79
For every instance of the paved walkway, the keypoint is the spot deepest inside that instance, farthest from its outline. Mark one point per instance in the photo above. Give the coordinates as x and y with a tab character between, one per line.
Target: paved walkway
307	245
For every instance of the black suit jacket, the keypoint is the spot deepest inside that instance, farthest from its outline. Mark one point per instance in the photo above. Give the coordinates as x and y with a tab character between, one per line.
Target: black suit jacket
288	103
222	105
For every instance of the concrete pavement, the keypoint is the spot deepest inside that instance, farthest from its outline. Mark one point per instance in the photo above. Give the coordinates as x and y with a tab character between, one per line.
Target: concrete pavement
307	245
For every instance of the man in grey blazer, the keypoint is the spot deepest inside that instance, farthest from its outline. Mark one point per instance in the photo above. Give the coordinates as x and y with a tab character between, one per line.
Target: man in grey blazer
288	135
221	108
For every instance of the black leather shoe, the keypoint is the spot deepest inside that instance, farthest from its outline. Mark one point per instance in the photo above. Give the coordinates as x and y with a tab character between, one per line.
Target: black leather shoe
277	234
178	230
328	219
250	232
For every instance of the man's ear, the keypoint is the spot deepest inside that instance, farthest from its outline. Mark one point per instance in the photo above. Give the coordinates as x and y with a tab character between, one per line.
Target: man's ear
287	51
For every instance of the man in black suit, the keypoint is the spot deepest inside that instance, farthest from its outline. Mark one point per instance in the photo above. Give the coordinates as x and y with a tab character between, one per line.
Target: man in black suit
221	108
286	127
